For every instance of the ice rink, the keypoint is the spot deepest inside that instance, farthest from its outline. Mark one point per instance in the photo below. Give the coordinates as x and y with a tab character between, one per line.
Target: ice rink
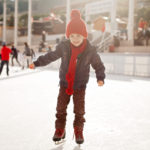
117	114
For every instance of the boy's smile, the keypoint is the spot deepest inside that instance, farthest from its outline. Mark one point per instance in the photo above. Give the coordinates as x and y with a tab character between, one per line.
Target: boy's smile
76	39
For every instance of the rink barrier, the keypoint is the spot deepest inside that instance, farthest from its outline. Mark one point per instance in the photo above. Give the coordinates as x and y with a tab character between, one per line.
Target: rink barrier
133	64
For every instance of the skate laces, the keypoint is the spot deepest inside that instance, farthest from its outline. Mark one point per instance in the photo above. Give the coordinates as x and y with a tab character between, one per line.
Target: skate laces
59	132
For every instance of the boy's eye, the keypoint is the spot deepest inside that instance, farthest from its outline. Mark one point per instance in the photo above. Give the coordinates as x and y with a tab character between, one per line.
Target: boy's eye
72	36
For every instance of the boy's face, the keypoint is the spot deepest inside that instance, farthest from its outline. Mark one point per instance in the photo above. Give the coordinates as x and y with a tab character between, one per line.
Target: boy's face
76	39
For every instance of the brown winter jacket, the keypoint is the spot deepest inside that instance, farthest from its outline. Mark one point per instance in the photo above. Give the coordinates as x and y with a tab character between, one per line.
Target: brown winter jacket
87	58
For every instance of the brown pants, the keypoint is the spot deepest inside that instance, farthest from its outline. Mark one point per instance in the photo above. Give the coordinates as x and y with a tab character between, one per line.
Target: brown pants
79	108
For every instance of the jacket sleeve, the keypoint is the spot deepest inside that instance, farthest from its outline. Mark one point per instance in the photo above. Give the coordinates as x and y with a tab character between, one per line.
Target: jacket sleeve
10	51
98	66
49	57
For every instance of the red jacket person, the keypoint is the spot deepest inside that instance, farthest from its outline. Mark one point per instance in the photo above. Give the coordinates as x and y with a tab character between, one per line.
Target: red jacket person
5	51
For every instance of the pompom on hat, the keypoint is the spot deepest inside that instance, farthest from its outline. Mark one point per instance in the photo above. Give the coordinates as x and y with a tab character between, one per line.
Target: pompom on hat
76	24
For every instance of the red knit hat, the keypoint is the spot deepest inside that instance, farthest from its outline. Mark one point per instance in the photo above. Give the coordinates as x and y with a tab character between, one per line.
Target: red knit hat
76	24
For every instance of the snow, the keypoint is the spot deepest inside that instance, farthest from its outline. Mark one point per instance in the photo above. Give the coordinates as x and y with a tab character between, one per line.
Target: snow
117	114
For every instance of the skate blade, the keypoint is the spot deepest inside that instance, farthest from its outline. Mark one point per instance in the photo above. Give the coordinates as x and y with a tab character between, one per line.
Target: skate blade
59	142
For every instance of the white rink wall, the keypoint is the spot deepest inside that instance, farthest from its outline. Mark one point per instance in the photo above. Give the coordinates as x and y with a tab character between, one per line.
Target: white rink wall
133	64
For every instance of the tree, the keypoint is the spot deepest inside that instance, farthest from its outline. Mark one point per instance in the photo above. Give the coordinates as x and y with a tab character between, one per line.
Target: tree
122	8
10	7
23	20
143	13
1	7
10	21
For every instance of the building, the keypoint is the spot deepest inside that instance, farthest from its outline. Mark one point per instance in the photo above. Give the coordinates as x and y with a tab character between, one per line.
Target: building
143	4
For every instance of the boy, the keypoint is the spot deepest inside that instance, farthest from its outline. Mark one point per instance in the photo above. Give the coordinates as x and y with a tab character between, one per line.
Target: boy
76	56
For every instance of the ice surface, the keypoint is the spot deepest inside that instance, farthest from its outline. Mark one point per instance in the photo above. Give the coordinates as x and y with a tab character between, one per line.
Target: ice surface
117	114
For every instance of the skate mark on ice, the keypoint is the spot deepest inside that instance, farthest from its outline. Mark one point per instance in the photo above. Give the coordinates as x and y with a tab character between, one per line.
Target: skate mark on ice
19	75
59	147
78	147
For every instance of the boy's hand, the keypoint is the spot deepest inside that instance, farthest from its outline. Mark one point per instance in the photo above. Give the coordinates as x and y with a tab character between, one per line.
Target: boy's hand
100	83
32	66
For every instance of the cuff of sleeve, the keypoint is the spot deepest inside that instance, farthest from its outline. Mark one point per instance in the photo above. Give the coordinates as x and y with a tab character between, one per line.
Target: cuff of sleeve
100	79
36	63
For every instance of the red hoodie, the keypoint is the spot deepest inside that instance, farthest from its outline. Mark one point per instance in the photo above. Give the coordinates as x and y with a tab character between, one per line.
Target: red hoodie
5	51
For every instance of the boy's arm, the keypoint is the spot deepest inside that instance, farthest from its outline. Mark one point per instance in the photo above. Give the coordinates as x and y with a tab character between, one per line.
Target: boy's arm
49	57
98	66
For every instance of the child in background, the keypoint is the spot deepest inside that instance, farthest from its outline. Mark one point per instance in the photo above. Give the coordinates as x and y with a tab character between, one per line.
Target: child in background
27	54
77	54
14	55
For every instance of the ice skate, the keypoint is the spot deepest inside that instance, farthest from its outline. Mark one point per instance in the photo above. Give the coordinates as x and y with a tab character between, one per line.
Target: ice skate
59	136
79	135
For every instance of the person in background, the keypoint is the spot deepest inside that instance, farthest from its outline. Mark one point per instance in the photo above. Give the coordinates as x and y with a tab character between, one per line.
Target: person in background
146	35
5	52
0	57
14	55
49	48
142	23
43	36
27	55
32	54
